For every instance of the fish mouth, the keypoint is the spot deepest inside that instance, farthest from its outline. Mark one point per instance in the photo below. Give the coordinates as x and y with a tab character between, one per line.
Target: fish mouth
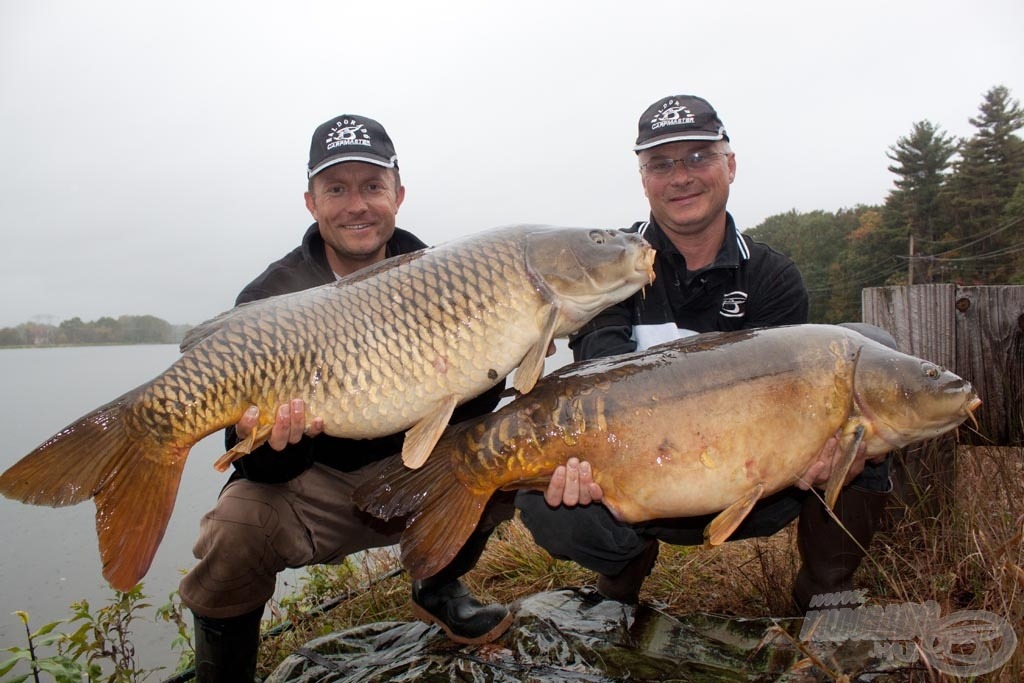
645	262
971	406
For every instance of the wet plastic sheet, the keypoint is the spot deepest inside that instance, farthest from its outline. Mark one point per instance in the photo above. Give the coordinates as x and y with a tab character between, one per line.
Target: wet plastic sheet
566	636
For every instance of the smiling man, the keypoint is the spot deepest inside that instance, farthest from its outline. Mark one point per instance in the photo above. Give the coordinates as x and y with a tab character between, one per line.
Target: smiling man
353	203
710	277
288	504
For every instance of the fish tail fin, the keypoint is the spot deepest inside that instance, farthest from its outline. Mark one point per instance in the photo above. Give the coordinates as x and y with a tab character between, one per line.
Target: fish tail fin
133	482
443	512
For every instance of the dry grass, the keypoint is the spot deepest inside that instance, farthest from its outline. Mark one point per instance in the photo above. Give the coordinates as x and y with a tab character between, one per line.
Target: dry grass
954	535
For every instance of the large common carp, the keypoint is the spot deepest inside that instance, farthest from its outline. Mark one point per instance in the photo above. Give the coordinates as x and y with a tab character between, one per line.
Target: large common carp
705	424
396	346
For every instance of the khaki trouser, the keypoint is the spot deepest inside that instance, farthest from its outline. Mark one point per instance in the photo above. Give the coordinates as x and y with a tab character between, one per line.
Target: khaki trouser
256	530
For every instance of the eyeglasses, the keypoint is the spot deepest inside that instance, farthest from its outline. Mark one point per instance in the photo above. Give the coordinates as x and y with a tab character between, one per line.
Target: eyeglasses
696	160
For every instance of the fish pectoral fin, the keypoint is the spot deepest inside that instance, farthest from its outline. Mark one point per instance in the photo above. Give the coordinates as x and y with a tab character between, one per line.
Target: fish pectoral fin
722	526
422	436
850	444
256	438
532	365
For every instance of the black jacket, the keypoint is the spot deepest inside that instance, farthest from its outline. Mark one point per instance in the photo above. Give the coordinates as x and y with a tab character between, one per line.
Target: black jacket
749	285
304	267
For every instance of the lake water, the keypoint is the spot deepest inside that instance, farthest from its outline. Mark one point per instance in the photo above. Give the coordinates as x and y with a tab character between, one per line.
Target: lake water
50	557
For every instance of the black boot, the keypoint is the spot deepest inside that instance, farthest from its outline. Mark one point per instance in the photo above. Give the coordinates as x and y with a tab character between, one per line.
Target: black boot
625	586
226	648
442	599
829	554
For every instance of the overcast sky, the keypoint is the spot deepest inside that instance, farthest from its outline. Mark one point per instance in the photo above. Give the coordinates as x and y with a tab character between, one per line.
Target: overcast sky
153	153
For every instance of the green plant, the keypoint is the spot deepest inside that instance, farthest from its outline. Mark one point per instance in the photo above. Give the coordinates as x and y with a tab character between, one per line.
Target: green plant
172	612
63	669
106	635
101	640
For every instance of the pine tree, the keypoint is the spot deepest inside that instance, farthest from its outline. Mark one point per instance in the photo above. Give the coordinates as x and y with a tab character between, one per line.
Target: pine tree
990	168
912	210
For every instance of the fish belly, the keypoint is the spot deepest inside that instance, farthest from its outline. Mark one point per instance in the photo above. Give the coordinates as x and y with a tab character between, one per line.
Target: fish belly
674	433
700	453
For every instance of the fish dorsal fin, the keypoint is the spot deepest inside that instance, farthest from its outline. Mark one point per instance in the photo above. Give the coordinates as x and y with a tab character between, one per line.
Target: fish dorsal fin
850	443
206	329
725	523
532	365
422	436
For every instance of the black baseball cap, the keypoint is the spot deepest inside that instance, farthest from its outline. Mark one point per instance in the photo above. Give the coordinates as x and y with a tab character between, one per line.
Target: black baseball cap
350	137
679	117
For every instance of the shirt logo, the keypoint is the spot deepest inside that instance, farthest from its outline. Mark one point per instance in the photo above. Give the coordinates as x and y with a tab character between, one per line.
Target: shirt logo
346	132
672	114
734	305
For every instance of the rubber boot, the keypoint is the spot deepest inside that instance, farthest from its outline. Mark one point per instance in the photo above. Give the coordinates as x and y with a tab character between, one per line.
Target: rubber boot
442	599
226	648
830	555
625	586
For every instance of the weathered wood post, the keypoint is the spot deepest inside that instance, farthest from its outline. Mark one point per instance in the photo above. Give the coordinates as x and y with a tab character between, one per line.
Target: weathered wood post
978	333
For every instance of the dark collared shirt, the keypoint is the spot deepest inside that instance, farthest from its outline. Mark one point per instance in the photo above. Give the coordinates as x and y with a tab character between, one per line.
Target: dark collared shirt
749	285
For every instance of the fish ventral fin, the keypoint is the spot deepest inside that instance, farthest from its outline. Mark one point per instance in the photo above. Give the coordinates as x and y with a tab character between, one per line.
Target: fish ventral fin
722	526
532	365
422	437
850	444
256	438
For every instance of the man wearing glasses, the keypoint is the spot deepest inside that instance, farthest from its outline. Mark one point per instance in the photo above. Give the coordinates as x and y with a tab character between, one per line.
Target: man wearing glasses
710	278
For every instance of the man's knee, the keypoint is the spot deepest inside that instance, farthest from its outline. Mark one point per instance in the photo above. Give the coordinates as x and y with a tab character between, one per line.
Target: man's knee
771	515
875	476
243	543
587	534
542	522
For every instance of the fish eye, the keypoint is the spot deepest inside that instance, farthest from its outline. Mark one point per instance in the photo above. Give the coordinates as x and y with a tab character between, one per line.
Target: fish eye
932	372
597	236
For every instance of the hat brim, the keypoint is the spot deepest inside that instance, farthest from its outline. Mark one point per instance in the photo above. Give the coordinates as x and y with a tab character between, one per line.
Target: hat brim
681	137
363	158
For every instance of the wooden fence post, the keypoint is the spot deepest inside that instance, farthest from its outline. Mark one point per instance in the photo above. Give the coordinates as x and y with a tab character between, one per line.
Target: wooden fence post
978	333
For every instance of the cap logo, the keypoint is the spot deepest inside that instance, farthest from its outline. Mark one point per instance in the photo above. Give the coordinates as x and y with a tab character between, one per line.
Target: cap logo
346	132
672	114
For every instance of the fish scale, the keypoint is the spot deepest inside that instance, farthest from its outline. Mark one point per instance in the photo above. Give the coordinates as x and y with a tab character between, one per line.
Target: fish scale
392	347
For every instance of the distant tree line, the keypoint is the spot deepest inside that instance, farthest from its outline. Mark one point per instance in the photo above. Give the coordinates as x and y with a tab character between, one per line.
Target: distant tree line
955	215
128	329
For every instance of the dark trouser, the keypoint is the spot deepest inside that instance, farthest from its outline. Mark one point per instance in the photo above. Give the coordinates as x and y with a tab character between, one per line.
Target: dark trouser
256	530
591	537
